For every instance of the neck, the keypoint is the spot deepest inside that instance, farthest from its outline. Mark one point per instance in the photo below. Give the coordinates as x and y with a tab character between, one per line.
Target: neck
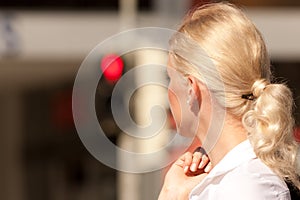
232	134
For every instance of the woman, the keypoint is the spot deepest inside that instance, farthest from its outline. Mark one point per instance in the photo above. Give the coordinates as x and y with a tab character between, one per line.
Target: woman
254	151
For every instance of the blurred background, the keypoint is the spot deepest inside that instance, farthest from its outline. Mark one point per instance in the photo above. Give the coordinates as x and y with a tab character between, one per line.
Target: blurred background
42	44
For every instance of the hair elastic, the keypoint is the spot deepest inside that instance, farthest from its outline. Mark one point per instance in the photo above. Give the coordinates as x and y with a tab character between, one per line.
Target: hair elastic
248	96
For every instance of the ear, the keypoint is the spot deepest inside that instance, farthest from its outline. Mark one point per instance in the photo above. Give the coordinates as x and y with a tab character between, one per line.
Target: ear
194	88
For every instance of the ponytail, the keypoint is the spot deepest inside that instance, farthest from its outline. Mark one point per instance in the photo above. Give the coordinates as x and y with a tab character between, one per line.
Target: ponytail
270	125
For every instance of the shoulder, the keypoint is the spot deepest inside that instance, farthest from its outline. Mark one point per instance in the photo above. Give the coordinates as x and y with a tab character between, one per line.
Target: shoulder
253	180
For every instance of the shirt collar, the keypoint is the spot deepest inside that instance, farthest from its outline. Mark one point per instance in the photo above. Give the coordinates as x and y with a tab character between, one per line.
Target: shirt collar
239	154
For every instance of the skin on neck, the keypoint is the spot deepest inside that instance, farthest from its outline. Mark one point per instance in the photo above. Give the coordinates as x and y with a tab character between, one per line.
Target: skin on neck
232	133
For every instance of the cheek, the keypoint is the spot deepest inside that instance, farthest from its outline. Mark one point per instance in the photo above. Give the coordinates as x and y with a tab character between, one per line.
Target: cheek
186	120
175	106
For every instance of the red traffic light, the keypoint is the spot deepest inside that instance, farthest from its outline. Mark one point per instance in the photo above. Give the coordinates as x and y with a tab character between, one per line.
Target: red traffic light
112	67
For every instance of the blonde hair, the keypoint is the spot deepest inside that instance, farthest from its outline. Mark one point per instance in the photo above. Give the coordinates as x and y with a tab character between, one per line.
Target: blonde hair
238	51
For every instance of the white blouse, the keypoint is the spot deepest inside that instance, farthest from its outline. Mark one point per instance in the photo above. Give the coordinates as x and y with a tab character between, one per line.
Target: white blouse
240	175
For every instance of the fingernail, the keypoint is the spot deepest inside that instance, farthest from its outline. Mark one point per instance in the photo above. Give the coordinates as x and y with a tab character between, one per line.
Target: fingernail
207	169
201	165
186	168
193	167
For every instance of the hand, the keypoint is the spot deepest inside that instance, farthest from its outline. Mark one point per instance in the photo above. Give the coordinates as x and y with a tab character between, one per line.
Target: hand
196	162
188	171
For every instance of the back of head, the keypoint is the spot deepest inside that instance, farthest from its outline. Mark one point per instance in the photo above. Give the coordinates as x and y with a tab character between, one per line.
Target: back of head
238	51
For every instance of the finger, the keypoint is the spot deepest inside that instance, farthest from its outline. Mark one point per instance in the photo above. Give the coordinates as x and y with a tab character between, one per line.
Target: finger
188	158
204	161
196	161
208	167
180	162
200	149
